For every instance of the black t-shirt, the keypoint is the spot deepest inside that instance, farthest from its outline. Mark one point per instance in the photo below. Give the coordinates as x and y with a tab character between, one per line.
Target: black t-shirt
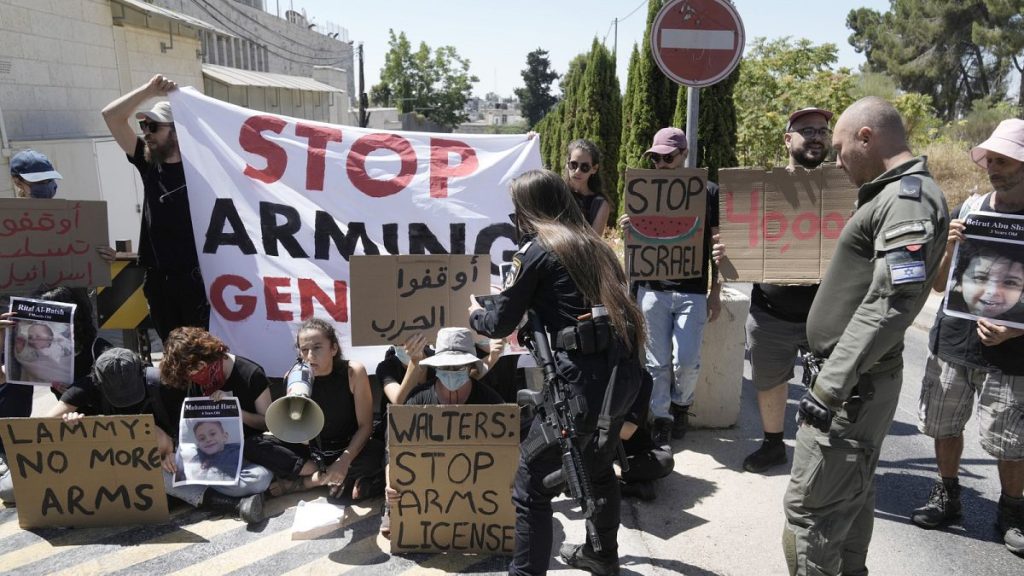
166	241
956	339
789	303
695	285
246	382
480	394
86	398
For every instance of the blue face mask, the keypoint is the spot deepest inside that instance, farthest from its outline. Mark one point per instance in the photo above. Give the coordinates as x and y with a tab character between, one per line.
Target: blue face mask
401	355
44	189
452	380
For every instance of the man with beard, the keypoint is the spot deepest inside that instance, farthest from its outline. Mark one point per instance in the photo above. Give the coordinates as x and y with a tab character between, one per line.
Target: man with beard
980	358
777	323
174	286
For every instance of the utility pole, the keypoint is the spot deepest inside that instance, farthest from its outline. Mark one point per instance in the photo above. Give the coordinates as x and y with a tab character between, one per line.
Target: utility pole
615	43
364	118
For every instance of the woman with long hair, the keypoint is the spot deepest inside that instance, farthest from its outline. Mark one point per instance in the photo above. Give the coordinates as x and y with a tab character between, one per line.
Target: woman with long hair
572	281
582	173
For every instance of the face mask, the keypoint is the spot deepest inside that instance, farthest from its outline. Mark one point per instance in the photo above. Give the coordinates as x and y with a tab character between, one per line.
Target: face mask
452	380
210	378
402	356
46	189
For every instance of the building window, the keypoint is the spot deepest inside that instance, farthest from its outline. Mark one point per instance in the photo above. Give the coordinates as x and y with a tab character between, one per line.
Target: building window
245	54
220	49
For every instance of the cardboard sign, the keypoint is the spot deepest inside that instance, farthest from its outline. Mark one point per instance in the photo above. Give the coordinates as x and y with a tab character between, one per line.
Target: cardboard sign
667	212
781	227
453	466
96	471
51	242
395	297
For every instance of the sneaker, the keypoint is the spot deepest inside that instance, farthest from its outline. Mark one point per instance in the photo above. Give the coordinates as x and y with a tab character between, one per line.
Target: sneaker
680	421
578	556
769	455
385	520
943	507
643	489
661	431
1010	522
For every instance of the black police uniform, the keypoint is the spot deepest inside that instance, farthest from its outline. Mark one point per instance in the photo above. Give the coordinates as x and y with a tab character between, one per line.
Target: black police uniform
541	283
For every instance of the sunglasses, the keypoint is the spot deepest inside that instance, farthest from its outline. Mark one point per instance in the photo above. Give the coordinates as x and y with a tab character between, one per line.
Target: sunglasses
666	158
809	133
152	127
575	166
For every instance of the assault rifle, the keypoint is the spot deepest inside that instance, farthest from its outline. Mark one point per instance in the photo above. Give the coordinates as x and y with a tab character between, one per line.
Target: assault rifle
557	408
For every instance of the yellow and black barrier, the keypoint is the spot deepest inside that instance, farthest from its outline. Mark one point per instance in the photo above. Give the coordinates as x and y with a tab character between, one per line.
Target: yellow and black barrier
122	305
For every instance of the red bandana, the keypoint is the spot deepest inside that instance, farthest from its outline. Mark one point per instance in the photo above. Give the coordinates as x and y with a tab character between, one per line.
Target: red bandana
210	378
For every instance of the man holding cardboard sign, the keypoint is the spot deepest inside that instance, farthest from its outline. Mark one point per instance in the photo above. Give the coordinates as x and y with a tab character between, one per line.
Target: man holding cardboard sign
980	357
879	279
777	324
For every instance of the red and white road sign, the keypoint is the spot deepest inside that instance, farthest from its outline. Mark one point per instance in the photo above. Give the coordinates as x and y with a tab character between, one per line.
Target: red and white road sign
697	42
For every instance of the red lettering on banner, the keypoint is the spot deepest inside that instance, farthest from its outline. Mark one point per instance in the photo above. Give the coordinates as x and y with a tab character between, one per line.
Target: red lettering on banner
316	153
832	225
272	292
812	228
251	139
246	304
441	171
337	308
372	187
277	292
776	225
752	218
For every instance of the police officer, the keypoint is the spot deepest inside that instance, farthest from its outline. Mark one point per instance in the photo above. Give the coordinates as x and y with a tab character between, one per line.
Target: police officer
564	272
879	278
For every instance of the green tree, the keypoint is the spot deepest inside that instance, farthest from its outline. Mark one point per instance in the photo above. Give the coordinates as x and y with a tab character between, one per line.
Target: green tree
599	115
626	142
941	48
435	83
535	98
776	77
1003	36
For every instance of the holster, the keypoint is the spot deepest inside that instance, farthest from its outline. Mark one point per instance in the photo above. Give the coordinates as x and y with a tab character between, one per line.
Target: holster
587	337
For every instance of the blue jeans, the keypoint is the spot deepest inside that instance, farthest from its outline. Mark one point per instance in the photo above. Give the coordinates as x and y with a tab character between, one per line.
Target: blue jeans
252	479
675	327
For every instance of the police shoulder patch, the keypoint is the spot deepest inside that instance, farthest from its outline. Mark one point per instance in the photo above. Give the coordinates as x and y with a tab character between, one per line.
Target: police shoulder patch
910	187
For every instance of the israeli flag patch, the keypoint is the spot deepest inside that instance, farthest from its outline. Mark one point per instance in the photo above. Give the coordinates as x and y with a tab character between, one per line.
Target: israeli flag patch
907	273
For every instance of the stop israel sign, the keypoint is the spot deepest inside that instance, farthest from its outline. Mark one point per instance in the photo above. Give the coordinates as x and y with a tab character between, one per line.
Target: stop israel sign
697	42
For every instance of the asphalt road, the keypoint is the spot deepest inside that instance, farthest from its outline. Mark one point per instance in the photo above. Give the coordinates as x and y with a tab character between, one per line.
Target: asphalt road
709	518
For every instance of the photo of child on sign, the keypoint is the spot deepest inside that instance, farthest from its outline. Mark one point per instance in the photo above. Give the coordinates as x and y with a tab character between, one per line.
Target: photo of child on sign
987	277
41	344
210	446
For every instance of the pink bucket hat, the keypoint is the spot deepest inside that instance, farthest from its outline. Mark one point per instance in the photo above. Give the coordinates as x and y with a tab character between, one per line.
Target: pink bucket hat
1007	139
667	141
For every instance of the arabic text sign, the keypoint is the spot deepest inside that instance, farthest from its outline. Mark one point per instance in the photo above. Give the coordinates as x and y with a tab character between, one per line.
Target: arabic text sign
395	297
986	279
667	212
96	471
453	468
279	205
780	226
51	242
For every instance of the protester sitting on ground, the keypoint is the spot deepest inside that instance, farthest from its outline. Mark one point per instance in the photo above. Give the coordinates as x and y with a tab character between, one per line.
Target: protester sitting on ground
343	456
646	460
581	173
196	363
119	384
400	374
454	363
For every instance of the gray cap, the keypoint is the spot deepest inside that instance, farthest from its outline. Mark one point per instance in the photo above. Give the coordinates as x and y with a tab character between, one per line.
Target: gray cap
161	113
119	373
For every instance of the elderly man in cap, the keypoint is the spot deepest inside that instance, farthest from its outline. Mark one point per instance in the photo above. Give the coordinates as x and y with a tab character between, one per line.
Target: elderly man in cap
677	310
777	323
174	286
979	358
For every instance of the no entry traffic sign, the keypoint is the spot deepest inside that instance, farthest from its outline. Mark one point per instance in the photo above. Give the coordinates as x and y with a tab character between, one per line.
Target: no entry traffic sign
697	42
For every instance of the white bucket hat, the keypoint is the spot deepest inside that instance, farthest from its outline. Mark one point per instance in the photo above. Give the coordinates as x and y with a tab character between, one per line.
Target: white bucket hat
1007	139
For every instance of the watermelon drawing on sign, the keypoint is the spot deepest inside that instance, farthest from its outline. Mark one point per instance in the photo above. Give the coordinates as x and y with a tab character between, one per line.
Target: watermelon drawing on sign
664	229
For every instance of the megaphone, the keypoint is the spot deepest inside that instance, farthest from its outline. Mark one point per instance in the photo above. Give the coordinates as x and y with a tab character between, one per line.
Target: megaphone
296	418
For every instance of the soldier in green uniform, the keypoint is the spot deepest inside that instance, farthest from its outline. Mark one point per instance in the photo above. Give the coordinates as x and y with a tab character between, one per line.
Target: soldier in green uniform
879	278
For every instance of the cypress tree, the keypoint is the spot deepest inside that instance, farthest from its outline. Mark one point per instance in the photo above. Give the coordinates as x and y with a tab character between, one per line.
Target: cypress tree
626	140
600	115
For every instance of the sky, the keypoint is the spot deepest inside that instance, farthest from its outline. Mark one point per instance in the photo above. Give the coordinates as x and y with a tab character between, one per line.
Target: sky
497	36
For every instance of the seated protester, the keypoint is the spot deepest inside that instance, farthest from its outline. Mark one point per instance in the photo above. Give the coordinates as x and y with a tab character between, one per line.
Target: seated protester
88	344
343	456
456	365
647	461
120	384
400	374
196	363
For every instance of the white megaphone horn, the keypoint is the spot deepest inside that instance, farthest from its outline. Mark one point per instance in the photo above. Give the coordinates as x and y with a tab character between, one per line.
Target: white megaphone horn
296	418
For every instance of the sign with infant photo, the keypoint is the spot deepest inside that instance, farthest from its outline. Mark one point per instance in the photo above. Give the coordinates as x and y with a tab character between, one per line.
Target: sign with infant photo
986	279
209	442
41	345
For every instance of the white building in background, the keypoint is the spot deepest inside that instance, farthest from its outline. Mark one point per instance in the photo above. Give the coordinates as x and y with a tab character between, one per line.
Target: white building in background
61	62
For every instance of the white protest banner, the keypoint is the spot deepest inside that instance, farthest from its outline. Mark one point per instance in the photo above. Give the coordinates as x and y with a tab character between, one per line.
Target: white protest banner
279	205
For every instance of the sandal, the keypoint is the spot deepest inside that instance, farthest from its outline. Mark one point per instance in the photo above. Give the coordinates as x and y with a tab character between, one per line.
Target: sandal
285	486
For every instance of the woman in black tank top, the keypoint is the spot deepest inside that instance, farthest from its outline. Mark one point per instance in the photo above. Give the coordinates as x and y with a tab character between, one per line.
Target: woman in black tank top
581	173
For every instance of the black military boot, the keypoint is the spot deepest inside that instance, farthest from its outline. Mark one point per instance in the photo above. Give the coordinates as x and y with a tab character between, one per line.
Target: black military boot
943	505
249	508
1010	523
661	431
581	557
680	420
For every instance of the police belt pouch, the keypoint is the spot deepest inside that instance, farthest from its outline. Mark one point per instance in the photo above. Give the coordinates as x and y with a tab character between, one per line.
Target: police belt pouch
587	337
